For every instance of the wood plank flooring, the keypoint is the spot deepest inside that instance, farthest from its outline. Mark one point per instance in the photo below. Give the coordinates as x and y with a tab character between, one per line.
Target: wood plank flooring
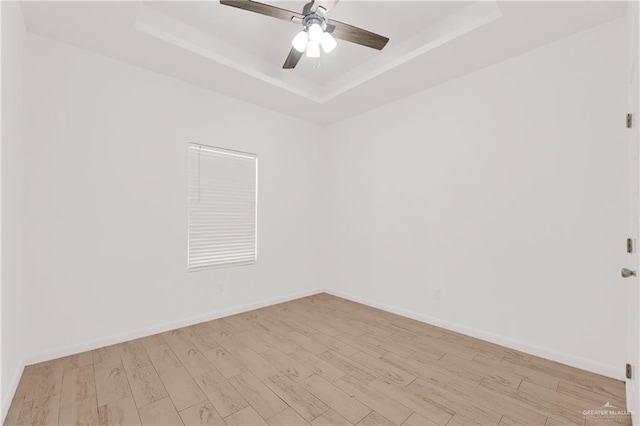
320	360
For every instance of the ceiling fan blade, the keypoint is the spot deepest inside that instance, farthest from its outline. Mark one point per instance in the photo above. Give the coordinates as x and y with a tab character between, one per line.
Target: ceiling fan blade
264	9
356	35
293	59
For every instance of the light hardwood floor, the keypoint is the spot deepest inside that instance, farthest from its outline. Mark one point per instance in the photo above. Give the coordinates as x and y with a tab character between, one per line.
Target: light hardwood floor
319	360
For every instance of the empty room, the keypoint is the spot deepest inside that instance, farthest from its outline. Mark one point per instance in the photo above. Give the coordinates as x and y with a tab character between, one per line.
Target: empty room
325	212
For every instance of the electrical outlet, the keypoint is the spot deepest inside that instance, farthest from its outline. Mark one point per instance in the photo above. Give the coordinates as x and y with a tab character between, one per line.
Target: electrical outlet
221	288
436	294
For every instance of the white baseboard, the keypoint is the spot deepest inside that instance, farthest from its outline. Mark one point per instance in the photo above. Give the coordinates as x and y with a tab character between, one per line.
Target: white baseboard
7	398
551	354
147	331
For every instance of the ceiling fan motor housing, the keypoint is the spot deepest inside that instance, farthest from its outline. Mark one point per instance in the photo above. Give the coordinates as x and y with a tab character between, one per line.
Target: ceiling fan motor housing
314	19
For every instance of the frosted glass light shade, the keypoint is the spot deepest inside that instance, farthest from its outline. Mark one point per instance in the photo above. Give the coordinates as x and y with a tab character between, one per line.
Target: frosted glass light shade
300	41
315	33
328	42
313	50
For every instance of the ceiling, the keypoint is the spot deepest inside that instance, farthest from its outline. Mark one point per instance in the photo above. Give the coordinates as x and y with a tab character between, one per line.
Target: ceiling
240	54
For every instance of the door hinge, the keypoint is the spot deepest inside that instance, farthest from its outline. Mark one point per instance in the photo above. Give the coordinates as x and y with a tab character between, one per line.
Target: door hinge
629	245
629	121
628	371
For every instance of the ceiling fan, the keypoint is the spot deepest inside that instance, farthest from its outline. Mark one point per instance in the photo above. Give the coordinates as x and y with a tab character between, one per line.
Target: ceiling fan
317	30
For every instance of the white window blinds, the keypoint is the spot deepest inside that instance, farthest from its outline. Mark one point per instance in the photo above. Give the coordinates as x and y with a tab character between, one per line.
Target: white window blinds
222	207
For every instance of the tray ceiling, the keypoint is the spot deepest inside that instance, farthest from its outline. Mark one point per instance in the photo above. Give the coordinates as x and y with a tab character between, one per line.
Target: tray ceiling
241	54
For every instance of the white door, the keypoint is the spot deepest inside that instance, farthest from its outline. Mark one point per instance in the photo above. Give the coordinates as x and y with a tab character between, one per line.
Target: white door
632	385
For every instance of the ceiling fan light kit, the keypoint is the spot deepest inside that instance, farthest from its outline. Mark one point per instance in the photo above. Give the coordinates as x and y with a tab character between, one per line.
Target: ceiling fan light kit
328	43
313	50
311	38
300	41
317	30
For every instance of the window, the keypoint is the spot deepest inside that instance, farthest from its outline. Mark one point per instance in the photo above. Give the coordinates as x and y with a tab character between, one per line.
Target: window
222	207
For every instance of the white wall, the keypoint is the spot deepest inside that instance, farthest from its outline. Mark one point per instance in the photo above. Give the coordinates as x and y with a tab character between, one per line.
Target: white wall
106	185
506	191
13	34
